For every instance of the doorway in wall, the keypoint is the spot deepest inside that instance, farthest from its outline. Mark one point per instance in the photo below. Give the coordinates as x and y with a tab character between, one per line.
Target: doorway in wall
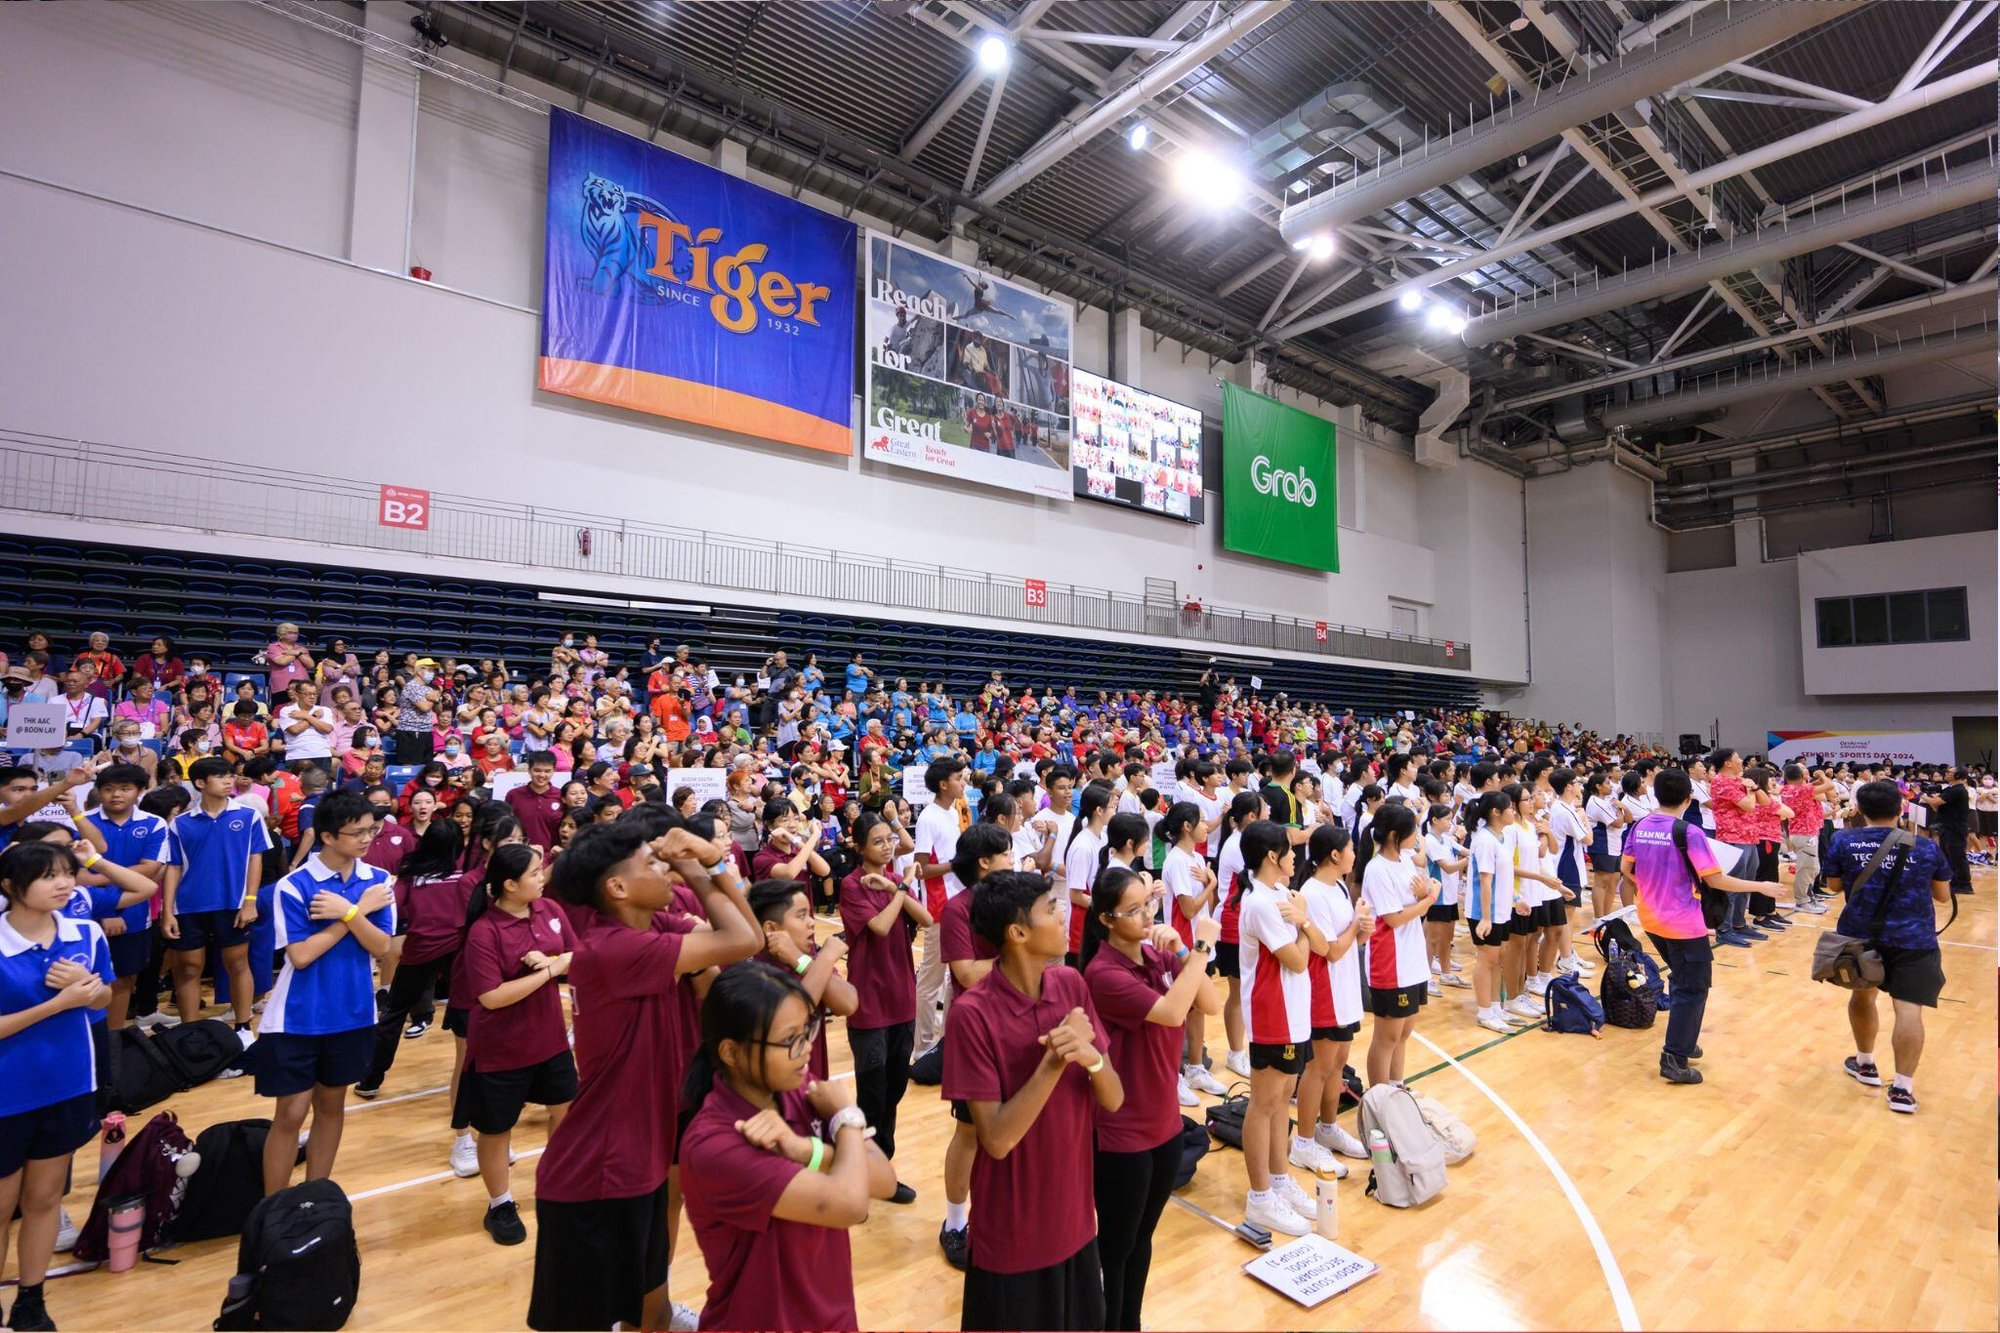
1973	740
1405	618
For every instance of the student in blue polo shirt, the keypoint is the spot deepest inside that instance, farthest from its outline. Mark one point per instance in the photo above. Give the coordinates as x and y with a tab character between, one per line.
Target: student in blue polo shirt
214	857
137	841
334	915
52	968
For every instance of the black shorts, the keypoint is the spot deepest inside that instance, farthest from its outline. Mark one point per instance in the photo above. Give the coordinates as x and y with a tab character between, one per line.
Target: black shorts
1069	1294
203	930
1228	960
961	1112
1284	1056
130	954
1989	820
1441	912
1914	976
1497	938
491	1100
456	1020
1522	925
1552	913
1603	863
1342	1032
291	1062
595	1261
1399	1001
55	1130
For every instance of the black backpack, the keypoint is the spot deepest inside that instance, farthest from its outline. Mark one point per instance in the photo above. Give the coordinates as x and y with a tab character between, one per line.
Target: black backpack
927	1070
1225	1118
298	1266
1614	933
1194	1147
1629	989
154	1066
222	1193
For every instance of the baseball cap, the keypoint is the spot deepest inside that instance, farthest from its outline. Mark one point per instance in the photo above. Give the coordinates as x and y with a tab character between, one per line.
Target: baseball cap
639	771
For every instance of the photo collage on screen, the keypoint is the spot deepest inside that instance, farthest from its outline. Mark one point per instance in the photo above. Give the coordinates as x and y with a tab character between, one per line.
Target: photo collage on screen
1135	449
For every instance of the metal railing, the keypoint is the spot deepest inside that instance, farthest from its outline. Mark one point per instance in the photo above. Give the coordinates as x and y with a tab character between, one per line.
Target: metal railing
84	480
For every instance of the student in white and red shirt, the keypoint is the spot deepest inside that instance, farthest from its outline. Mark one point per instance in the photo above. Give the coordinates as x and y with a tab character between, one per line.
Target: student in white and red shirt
1190	886
1144	982
1337	1004
1026	1055
1230	881
1277	941
937	839
601	1187
776	1164
1398	972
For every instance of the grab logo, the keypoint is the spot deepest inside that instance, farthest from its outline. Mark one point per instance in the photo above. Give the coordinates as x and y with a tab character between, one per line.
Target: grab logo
1294	487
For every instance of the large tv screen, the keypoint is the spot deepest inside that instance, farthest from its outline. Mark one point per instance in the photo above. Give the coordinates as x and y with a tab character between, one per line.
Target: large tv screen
1135	449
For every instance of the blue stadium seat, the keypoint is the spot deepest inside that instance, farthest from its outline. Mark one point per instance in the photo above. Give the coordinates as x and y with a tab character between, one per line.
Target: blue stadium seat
398	774
208	564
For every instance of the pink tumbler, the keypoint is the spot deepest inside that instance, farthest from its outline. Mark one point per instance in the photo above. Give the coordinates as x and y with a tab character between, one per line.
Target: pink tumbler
128	1216
111	1144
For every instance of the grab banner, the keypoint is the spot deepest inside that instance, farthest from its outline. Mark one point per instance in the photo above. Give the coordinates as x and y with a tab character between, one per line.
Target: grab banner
676	289
1858	747
1278	482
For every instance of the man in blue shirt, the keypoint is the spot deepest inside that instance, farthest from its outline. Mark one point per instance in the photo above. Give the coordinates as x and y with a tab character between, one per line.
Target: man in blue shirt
335	915
137	841
214	856
1913	878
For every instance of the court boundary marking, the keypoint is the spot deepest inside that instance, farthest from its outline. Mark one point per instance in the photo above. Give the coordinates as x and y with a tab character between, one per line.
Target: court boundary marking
1614	1276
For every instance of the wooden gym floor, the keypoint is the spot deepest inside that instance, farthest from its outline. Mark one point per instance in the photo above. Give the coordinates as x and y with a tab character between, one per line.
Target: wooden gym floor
1779	1194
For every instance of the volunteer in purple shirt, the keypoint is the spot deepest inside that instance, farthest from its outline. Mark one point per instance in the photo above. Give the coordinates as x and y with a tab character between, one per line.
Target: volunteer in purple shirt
1670	912
1143	989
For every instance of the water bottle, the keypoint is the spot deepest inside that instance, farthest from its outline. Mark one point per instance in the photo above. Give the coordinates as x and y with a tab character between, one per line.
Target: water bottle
1378	1150
112	1144
1326	1194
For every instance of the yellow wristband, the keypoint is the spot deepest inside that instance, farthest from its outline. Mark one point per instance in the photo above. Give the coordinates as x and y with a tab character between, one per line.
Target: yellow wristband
92	860
352	912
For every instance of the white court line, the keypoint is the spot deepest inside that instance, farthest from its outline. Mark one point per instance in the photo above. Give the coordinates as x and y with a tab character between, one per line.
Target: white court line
427	1180
391	1101
1614	1277
1961	944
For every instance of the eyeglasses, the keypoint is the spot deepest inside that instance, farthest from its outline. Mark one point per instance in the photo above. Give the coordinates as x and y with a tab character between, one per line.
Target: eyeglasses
800	1046
356	832
1136	909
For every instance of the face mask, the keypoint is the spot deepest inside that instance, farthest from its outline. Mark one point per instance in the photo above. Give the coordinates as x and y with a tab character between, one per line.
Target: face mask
128	742
452	749
427	676
383	811
568	642
201	747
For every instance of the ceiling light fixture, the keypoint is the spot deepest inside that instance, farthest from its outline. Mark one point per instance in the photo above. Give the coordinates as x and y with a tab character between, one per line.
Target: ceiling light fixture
1136	137
1320	249
1411	301
993	54
1199	175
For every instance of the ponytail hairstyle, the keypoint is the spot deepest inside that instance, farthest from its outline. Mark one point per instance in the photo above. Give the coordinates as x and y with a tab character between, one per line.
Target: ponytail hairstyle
995	807
865	826
1363	795
975	845
1391	821
1596	783
1181	817
1263	840
1633	779
438	852
1126	830
740	1007
1480	810
1095	797
1327	842
507	863
1104	896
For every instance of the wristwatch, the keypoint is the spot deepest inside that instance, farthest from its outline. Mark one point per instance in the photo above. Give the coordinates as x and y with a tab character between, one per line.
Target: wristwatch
1201	946
845	1117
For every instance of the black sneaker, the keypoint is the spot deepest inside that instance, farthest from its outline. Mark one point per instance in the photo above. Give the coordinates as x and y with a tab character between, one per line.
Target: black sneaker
504	1224
1676	1070
903	1194
30	1313
1861	1073
416	1029
1772	922
1900	1099
957	1246
1695	1054
368	1092
381	997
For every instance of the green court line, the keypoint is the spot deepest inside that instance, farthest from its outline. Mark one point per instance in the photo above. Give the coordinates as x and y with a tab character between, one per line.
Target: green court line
1467	1055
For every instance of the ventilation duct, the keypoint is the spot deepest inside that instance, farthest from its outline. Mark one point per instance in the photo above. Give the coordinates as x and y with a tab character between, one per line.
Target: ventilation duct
1454	391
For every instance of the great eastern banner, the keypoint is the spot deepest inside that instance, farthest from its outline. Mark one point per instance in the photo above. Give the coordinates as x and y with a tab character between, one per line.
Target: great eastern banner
677	289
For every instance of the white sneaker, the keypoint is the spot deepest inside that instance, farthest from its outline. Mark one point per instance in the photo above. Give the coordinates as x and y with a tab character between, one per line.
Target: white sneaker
684	1319
1538	985
1578	964
1295	1197
1202	1081
1526	1007
464	1158
1431	987
65	1232
1186	1094
1342	1142
1454	979
1812	907
1238	1062
1494	1020
1316	1157
1276	1217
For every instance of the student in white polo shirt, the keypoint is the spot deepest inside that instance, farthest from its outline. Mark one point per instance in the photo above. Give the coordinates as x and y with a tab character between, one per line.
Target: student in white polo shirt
937	842
53	970
335	915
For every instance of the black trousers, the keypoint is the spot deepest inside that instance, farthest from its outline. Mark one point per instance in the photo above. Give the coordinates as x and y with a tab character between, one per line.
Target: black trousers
1951	841
1068	1295
413	984
1690	972
881	1076
1132	1190
415	747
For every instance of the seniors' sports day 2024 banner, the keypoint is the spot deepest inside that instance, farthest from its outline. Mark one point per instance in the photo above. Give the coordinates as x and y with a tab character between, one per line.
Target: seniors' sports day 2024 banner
1860	747
968	374
677	289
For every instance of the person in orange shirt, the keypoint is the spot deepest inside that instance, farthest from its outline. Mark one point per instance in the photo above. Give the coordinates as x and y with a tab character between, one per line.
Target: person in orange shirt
671	708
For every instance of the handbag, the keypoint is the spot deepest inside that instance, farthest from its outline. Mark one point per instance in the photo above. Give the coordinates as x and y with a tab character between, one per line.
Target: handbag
1855	964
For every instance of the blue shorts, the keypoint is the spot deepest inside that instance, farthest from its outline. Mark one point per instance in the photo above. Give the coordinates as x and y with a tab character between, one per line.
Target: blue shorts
287	1063
56	1130
131	952
205	930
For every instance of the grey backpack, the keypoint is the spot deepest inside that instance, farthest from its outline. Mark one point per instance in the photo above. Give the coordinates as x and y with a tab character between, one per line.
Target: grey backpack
1415	1172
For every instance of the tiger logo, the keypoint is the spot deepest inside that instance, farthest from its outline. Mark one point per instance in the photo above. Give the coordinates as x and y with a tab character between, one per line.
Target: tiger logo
611	236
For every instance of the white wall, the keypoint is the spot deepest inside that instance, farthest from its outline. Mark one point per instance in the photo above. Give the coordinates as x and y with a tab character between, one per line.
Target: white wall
1734	644
171	329
1966	560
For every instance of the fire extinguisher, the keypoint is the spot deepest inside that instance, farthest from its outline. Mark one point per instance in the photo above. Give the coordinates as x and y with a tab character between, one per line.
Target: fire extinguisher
583	542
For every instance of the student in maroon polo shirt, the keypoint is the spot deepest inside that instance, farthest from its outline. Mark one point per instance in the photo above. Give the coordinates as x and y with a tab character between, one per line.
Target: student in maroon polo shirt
538	805
778	1164
1143	993
1026	1055
986	848
880	920
601	1187
517	949
783	908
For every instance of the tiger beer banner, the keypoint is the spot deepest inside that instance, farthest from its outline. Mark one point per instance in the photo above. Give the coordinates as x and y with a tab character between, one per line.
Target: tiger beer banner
677	289
968	374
